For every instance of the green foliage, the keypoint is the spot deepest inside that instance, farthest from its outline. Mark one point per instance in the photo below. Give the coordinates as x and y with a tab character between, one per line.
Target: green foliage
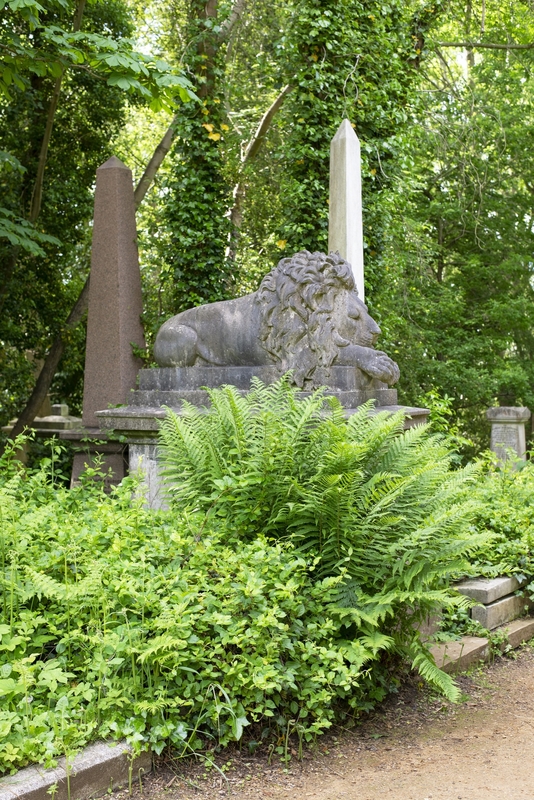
20	233
195	269
372	502
505	499
43	266
118	622
456	302
349	59
34	44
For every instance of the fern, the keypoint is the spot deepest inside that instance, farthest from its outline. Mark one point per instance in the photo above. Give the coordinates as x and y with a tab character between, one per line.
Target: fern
375	503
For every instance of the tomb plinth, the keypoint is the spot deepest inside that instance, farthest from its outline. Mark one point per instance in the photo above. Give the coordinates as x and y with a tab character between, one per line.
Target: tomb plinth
508	431
166	387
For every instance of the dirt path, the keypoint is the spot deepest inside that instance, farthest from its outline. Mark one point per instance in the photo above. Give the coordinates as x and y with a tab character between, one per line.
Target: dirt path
416	748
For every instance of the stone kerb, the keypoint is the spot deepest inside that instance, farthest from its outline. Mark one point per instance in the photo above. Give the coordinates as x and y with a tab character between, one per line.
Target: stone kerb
508	430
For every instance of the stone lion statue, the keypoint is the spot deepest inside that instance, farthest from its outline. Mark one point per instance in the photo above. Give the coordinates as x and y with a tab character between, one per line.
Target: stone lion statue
305	315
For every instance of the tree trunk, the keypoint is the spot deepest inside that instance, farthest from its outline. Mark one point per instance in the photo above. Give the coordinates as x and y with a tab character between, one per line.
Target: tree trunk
50	365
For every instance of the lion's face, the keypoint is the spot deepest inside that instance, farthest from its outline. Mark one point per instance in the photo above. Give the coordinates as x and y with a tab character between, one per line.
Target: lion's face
353	323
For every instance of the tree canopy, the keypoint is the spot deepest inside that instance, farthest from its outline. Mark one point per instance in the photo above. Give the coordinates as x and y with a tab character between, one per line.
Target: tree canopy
440	95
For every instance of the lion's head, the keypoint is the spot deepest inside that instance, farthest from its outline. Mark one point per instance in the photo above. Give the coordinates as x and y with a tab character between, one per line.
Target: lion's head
310	310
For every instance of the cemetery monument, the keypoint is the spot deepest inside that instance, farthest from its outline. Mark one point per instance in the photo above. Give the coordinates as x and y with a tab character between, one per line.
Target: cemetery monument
307	317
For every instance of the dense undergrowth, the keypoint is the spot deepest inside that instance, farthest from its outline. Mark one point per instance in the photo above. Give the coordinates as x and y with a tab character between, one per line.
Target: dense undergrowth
281	592
121	622
505	500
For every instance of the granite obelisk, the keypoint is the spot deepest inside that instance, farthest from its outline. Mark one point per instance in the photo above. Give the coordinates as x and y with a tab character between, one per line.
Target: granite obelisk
115	299
345	229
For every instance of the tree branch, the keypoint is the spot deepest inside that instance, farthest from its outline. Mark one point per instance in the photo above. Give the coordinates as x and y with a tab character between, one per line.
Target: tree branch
251	151
50	365
265	123
37	194
488	45
154	164
231	21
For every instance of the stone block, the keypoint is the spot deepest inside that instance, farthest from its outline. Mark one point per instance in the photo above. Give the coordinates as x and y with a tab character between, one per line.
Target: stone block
519	631
337	378
457	656
60	409
508	430
93	772
487	590
143	458
501	611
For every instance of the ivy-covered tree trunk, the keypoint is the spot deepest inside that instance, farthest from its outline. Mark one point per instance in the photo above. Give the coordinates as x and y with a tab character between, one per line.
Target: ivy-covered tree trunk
355	60
198	193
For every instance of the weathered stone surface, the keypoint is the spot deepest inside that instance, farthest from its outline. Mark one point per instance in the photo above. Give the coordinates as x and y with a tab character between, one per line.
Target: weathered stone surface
345	225
456	656
336	378
115	301
487	590
508	430
305	317
519	631
500	611
111	459
93	772
143	457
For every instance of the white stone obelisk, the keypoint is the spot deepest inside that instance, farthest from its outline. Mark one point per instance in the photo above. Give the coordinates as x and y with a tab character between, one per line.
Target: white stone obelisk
345	229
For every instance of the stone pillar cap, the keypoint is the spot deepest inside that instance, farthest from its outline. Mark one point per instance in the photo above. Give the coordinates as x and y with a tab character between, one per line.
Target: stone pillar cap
512	414
113	163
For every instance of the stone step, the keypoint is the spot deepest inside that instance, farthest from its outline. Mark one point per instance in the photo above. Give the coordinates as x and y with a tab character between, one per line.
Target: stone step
487	590
456	656
501	611
519	631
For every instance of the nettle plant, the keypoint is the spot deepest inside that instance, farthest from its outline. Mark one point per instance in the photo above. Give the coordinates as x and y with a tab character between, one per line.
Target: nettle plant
378	507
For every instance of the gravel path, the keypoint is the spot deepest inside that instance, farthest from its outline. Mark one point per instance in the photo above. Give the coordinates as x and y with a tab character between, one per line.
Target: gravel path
415	748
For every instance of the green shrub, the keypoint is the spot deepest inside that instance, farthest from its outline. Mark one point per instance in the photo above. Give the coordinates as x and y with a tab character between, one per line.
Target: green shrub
117	621
376	504
505	500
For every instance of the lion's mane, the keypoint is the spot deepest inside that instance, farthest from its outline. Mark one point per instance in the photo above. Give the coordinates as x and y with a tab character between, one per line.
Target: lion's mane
297	303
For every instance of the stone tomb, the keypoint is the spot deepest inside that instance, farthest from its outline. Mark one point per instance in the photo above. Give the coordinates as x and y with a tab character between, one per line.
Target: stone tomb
508	430
306	318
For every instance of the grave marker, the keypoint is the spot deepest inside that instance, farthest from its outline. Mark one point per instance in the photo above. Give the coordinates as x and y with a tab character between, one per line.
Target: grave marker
345	227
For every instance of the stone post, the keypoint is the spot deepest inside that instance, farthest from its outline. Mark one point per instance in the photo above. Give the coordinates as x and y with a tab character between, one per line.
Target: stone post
345	227
508	430
115	299
115	307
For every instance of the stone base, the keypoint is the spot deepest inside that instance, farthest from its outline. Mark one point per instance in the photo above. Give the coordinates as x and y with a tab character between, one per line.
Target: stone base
336	379
143	458
90	448
140	420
